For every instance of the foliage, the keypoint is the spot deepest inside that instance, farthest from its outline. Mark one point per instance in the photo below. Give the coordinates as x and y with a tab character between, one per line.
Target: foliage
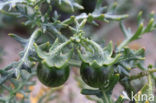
48	44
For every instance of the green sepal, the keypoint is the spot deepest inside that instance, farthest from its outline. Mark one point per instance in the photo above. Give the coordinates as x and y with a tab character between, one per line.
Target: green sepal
45	46
95	55
55	57
108	51
55	44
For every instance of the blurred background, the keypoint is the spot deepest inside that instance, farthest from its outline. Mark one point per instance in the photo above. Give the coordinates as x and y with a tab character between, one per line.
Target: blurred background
105	32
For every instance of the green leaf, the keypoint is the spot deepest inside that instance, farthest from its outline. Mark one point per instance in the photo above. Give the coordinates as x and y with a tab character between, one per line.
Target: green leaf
139	18
91	17
55	44
6	77
11	3
115	17
19	39
97	93
146	90
149	26
113	81
130	37
54	28
15	14
28	48
17	86
108	52
150	86
137	34
129	59
72	3
126	33
109	49
120	99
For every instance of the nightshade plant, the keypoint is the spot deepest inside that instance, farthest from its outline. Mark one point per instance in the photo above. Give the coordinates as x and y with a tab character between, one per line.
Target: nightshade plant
50	51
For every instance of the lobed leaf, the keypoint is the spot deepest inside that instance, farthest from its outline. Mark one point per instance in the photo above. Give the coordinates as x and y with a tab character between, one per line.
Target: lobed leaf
129	59
11	3
16	71
130	37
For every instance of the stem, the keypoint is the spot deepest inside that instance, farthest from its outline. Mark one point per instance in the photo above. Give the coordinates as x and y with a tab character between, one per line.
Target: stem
105	98
142	74
9	13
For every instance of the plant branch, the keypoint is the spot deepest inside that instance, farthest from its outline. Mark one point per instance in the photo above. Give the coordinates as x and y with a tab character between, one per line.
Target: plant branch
29	46
142	74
